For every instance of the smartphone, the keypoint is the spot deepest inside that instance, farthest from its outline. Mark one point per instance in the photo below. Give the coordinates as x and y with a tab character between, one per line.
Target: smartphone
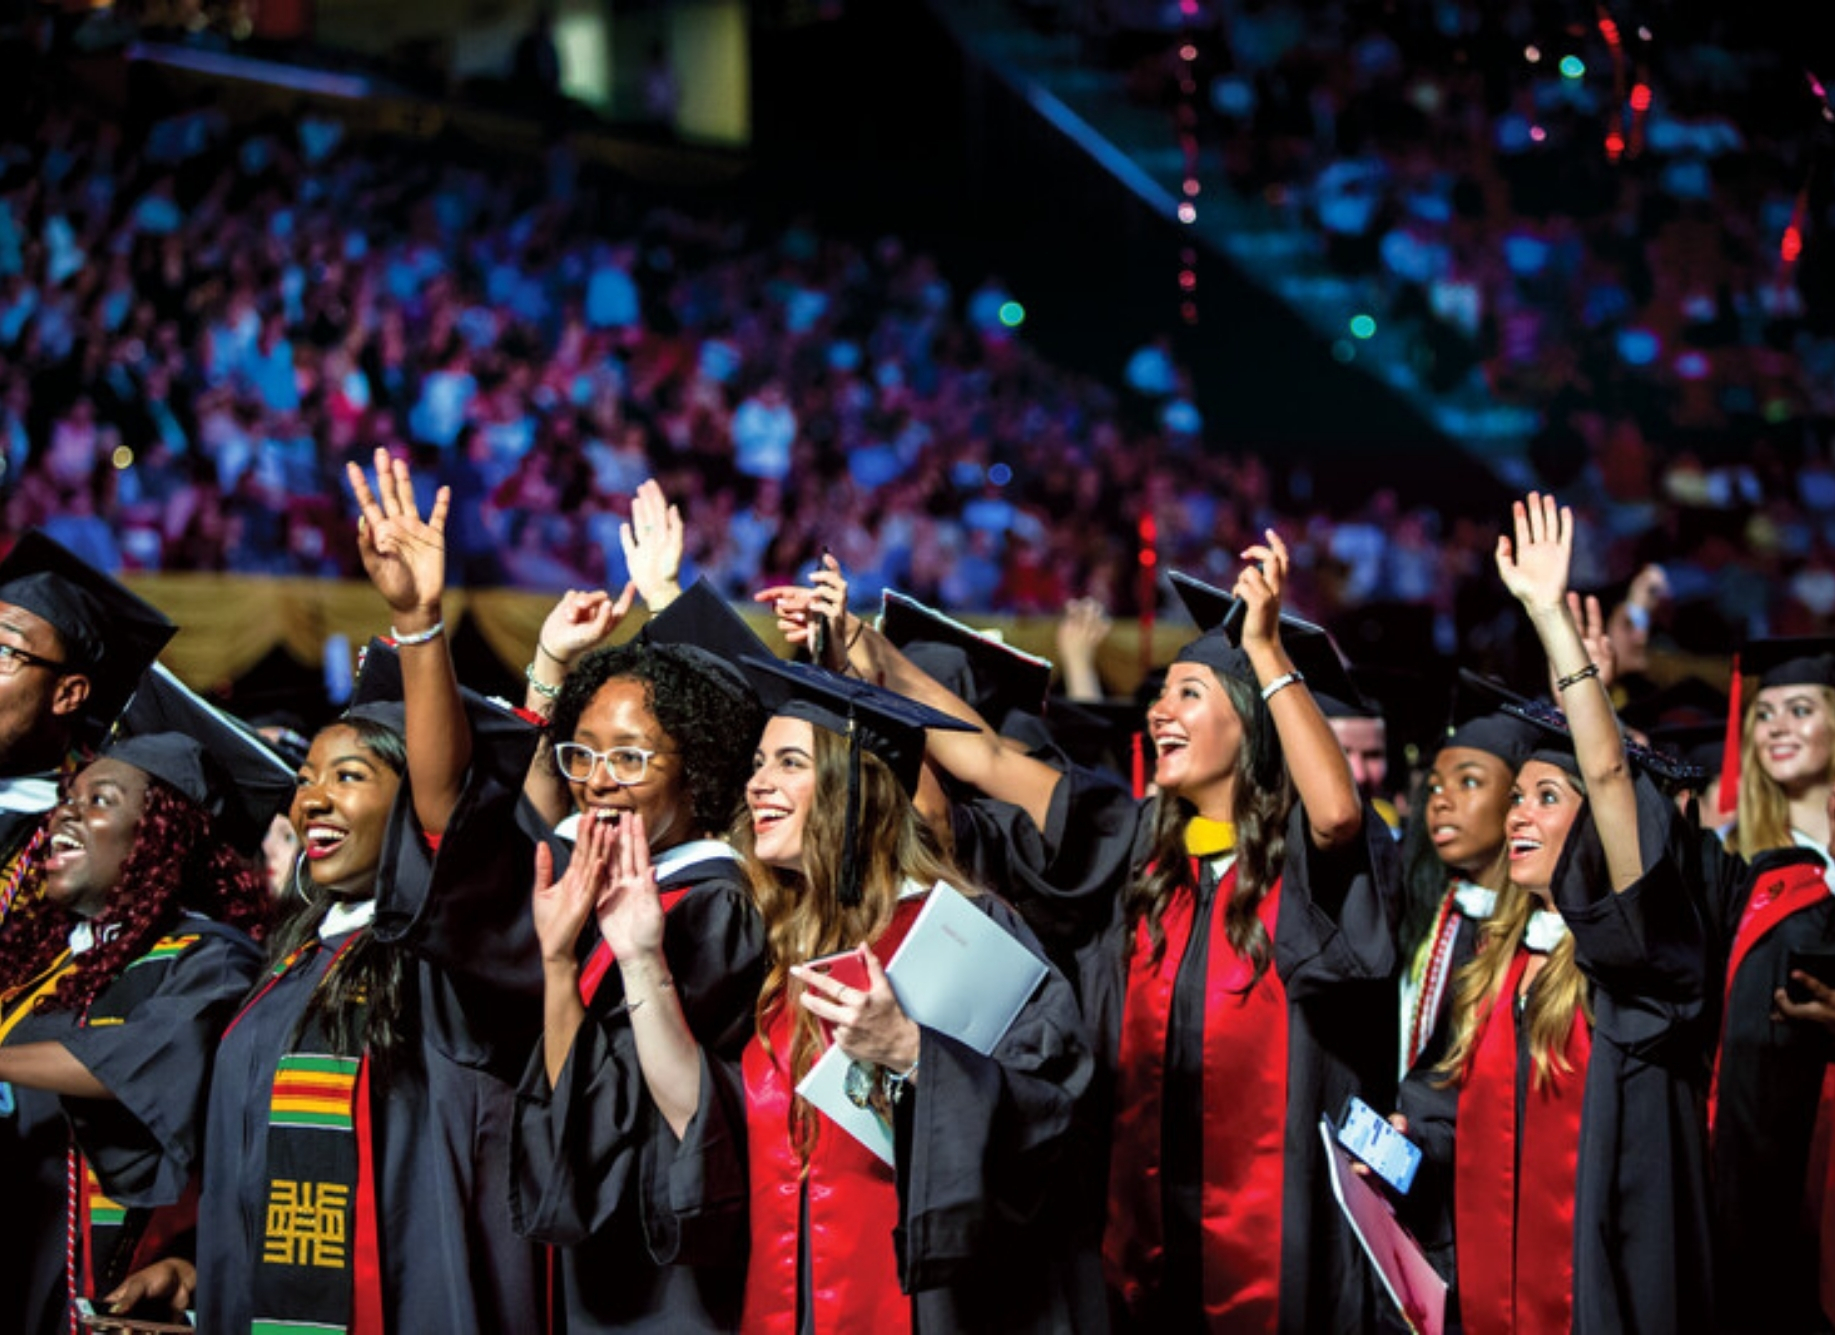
1818	964
821	632
1389	1154
849	968
95	1320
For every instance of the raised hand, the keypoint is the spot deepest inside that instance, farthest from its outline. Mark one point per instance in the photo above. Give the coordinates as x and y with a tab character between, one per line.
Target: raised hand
629	908
1259	586
869	1026
561	908
404	555
1534	567
581	621
652	542
800	610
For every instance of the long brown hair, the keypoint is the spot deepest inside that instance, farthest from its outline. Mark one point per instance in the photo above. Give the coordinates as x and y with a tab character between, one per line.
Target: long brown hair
803	916
1264	798
1763	819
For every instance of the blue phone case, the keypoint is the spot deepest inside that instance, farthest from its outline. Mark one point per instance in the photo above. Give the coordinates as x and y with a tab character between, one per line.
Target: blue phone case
1389	1154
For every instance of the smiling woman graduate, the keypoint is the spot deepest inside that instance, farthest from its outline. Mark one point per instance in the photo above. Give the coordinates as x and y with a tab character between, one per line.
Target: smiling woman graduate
1566	1116
964	1229
357	1164
118	971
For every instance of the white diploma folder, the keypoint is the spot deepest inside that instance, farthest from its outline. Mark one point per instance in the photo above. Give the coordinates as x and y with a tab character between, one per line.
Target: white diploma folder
957	972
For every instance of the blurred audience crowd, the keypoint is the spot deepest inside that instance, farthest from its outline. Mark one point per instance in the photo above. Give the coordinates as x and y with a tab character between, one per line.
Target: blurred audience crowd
201	322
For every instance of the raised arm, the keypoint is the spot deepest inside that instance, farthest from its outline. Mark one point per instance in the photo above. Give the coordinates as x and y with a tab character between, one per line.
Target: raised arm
1534	567
405	557
580	622
982	759
1321	775
1081	631
652	542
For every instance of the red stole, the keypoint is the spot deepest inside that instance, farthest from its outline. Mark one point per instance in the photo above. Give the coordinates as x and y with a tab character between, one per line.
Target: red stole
853	1200
1776	896
1244	1084
1516	1269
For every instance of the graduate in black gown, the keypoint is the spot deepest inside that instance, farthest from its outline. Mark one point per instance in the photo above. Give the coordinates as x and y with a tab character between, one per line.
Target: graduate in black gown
357	1162
121	965
1566	1115
1770	1102
964	1229
73	643
1262	984
659	730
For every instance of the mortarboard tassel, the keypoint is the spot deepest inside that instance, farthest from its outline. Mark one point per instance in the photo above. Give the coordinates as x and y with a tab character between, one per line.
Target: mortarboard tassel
849	889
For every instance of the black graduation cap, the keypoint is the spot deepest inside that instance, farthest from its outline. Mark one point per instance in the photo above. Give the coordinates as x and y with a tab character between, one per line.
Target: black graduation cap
700	627
1220	616
109	634
503	738
1555	744
992	676
1484	718
215	760
872	718
1805	660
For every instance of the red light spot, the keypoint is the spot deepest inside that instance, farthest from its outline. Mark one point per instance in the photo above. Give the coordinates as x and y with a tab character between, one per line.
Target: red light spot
1792	245
1640	98
1187	279
1609	30
1615	145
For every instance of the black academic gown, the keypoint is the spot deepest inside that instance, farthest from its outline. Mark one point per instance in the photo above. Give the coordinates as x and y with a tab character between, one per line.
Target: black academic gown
984	1241
149	1037
441	1112
578	1143
1768	1086
1642	1249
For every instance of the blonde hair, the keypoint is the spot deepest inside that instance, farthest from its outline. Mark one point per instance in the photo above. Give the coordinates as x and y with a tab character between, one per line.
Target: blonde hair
802	912
1560	990
1763	814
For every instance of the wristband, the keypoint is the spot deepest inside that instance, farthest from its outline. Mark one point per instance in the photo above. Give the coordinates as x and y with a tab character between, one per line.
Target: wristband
1280	684
432	633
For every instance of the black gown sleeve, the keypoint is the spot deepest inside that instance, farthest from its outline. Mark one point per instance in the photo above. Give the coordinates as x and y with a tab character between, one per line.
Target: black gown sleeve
1339	909
155	1057
981	1140
695	1191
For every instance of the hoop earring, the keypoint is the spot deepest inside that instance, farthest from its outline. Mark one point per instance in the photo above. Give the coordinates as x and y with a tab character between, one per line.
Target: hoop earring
299	882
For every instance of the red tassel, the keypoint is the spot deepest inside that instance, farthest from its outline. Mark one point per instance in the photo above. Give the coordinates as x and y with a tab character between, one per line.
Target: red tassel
1138	770
1729	755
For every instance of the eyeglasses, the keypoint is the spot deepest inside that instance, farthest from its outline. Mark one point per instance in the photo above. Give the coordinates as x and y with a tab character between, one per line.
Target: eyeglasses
628	765
12	658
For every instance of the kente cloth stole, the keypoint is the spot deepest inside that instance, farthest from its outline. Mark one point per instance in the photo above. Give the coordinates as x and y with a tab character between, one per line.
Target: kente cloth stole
318	1268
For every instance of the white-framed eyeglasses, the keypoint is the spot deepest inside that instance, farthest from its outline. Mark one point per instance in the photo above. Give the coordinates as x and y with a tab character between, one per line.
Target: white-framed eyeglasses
627	765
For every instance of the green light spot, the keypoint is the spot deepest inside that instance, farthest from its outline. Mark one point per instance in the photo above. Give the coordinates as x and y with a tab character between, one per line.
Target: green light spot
1012	314
1362	326
1572	67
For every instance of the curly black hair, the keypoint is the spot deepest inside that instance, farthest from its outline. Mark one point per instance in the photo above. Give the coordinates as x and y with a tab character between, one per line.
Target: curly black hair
713	723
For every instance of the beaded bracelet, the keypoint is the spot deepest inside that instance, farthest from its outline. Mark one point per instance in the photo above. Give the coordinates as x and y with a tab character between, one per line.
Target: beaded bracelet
432	632
539	686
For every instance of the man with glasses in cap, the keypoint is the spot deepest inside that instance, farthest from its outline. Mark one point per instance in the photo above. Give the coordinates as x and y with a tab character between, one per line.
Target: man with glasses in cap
73	643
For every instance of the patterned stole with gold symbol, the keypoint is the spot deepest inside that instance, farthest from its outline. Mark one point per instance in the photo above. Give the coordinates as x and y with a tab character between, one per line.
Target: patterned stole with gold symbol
318	1267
